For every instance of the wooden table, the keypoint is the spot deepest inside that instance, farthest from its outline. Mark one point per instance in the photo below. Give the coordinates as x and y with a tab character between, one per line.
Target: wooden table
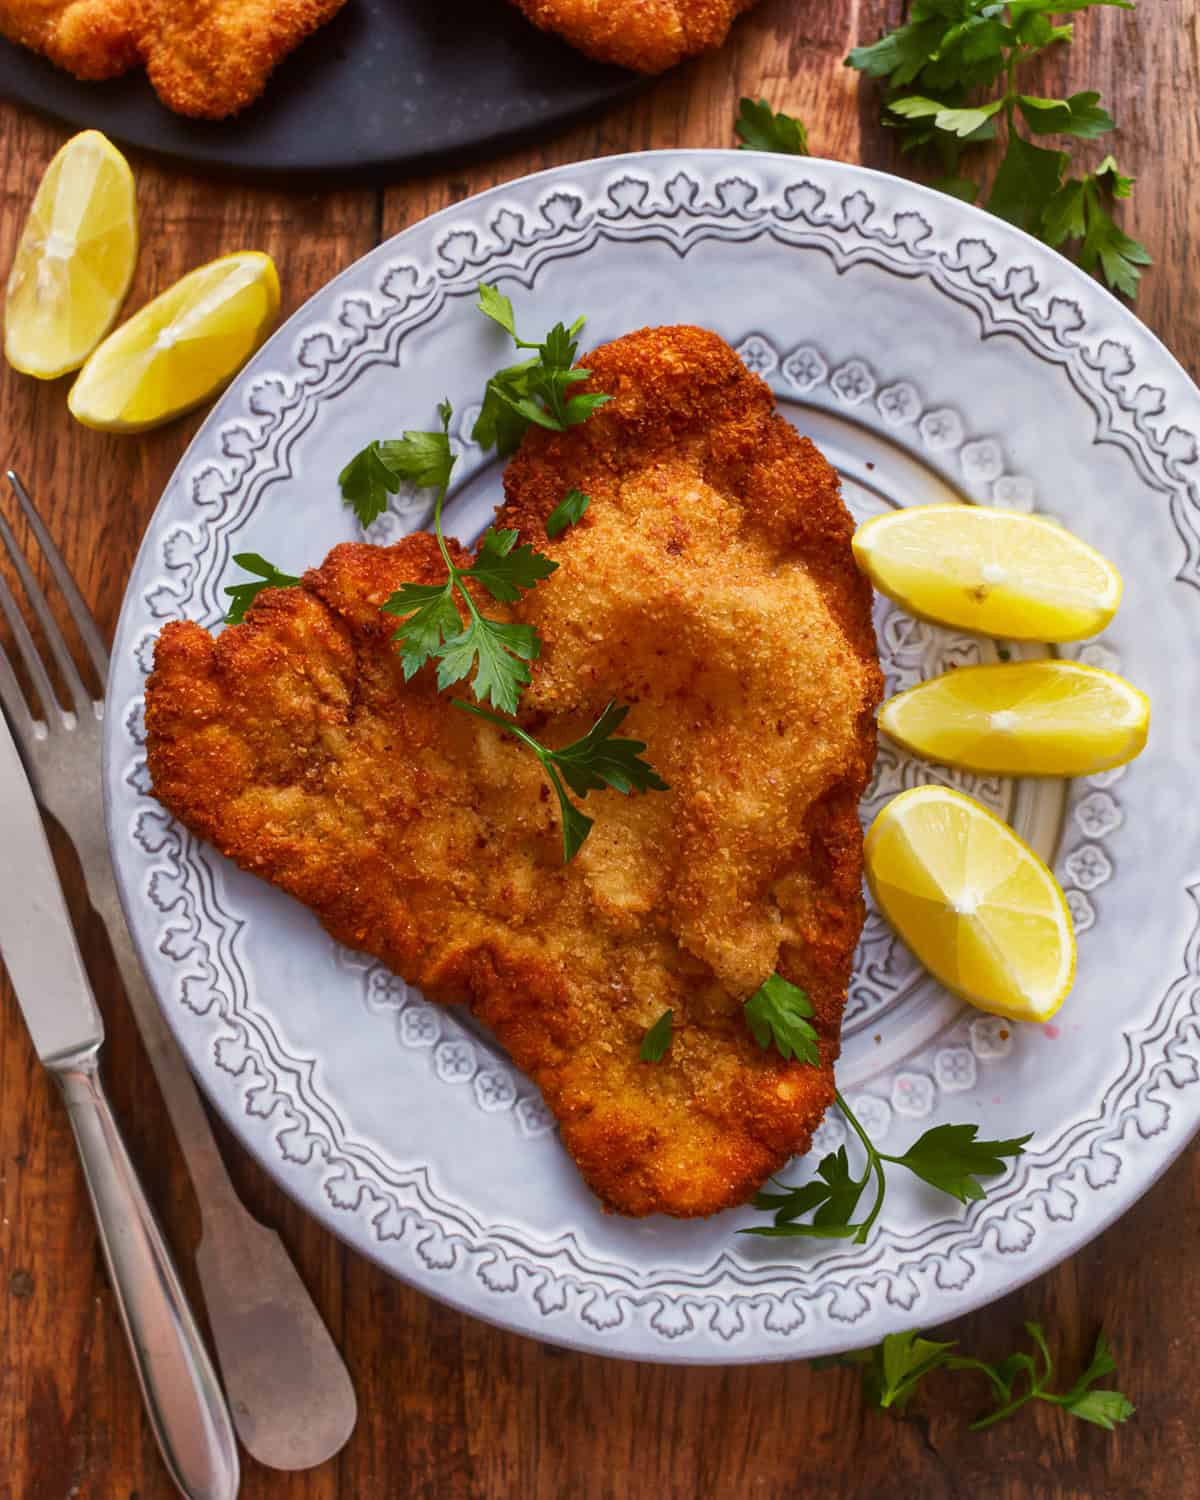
450	1407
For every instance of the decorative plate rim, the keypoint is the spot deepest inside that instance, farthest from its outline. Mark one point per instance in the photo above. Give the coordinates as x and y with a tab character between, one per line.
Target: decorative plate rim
814	193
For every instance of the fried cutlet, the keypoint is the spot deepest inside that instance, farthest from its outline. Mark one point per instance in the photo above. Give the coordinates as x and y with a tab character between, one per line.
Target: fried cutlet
646	35
710	586
204	57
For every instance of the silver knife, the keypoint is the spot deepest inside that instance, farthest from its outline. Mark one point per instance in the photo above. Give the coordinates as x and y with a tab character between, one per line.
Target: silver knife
183	1398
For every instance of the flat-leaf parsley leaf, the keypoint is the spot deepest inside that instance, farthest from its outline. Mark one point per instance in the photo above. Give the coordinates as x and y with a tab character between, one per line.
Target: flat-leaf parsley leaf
430	617
891	1371
568	512
759	128
657	1038
780	1012
950	1158
505	569
422	459
366	482
242	595
602	759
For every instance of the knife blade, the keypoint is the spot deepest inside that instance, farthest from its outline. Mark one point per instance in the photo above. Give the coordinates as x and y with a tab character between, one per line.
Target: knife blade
37	940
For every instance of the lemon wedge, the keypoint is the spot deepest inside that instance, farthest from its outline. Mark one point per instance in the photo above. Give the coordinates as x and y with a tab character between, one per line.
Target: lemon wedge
74	261
1032	718
993	571
180	349
973	901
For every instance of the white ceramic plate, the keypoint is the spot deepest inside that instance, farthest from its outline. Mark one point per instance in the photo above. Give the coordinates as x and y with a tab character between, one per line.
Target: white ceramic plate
933	352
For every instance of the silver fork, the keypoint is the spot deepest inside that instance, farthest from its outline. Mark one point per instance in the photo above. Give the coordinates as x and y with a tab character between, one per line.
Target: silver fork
289	1391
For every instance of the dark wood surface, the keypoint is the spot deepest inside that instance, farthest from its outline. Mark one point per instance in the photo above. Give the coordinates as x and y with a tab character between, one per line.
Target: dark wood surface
450	1407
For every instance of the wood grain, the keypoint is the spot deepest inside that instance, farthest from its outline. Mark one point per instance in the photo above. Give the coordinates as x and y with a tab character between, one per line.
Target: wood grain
452	1409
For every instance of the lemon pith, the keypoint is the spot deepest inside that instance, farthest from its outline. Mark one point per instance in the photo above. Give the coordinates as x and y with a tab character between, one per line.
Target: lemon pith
74	261
180	349
1036	718
996	572
974	903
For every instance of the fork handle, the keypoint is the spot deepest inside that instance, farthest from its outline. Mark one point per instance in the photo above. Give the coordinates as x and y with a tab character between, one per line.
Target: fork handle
289	1391
183	1400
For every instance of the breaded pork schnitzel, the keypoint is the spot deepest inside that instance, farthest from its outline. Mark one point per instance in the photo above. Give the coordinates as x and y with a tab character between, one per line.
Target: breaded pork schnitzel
646	35
710	586
204	57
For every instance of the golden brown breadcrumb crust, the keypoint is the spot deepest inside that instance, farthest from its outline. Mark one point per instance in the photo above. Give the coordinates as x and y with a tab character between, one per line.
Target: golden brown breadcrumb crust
207	58
648	36
711	587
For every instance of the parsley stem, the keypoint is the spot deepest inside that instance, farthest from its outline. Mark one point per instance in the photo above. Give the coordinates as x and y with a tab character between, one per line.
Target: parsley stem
513	728
437	526
1003	1411
543	754
1036	1391
874	1164
858	1130
455	578
967	1362
555	780
1010	92
546	758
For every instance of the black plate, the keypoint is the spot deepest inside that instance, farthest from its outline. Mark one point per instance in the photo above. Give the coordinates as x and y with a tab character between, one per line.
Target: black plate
387	85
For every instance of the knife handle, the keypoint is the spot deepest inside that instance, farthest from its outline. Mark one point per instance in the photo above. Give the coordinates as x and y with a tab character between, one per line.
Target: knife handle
183	1399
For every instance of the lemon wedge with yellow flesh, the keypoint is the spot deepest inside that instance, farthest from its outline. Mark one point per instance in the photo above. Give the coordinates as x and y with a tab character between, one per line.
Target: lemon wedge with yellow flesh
180	349
1033	718
74	261
993	571
973	902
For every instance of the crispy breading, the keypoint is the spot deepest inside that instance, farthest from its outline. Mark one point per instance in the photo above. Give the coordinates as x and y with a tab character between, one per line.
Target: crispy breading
646	35
90	38
711	587
204	57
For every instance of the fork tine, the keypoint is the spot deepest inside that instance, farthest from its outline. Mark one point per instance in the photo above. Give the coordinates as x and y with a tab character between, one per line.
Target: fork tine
54	636
29	652
84	620
16	710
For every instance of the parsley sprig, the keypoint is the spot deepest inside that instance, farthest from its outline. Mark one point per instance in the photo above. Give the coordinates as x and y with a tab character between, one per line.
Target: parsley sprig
948	1157
892	1371
936	67
597	760
242	595
536	391
497	651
